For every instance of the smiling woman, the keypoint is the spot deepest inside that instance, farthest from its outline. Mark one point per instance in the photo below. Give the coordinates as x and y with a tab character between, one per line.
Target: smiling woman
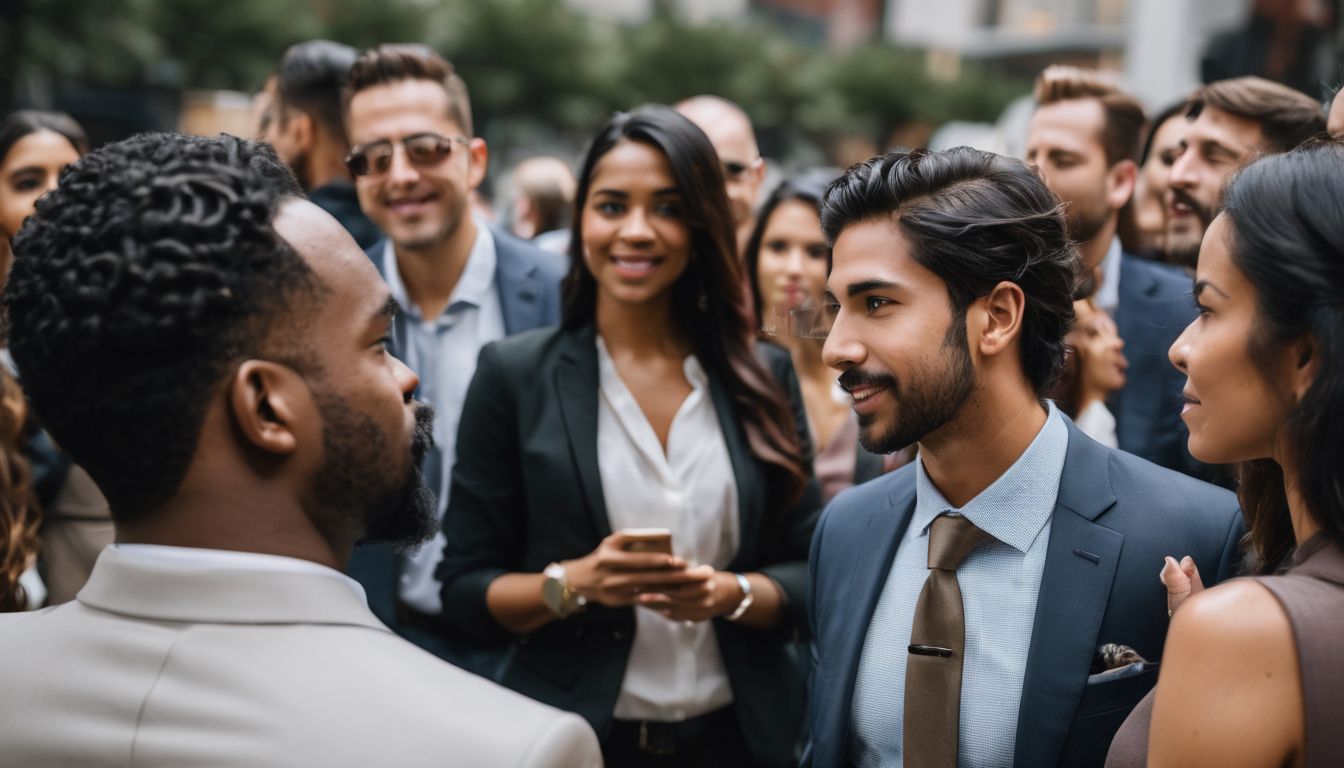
34	148
647	408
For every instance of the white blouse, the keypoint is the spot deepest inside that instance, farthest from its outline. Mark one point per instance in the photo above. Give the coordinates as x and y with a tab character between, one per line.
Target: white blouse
675	670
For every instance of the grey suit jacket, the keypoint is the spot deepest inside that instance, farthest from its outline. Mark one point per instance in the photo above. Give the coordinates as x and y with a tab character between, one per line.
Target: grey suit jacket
153	666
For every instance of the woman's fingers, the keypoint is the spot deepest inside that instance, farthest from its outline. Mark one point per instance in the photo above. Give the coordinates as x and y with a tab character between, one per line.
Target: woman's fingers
1181	580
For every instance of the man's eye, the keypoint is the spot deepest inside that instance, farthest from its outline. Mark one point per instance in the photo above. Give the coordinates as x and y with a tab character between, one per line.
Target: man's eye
874	303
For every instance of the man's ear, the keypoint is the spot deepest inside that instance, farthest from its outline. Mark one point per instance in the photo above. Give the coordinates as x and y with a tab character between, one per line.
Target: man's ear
301	132
480	157
1120	182
1003	309
267	401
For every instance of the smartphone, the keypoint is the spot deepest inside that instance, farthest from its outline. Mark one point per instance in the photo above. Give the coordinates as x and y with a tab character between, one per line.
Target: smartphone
648	540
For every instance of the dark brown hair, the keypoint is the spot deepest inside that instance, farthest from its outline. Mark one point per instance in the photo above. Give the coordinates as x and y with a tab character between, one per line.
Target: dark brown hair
707	299
395	62
1287	117
19	513
1123	122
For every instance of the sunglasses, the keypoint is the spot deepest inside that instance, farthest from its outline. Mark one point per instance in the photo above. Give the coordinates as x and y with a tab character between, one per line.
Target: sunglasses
422	149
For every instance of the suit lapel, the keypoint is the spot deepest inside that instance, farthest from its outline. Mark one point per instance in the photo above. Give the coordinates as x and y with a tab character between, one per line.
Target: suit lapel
866	574
746	472
519	290
1080	566
576	384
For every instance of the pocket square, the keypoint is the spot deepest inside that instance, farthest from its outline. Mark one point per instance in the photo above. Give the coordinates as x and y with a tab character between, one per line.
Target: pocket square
1113	656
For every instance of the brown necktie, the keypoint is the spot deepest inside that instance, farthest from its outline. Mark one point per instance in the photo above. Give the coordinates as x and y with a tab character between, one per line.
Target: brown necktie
937	645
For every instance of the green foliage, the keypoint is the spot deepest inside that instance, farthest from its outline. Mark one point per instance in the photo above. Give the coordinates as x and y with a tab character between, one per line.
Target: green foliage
534	67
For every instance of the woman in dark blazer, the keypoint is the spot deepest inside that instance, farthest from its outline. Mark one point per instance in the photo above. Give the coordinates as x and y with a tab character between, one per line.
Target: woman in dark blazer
649	407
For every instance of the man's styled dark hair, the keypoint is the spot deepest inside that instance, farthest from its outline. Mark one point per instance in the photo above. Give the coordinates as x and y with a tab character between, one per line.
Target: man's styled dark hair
975	219
1287	117
138	285
310	79
395	62
1122	125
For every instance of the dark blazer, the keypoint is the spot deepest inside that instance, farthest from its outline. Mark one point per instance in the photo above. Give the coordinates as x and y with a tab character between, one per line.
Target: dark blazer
528	280
1115	518
1156	304
527	492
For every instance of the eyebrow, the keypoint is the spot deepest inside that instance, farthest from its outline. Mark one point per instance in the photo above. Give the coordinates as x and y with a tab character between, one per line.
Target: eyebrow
623	194
864	286
1200	285
387	311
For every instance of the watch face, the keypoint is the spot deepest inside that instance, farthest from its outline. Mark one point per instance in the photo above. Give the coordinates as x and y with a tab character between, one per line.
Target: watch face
553	595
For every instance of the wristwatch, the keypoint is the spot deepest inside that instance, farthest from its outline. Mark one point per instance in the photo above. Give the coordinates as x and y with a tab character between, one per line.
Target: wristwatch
555	592
747	598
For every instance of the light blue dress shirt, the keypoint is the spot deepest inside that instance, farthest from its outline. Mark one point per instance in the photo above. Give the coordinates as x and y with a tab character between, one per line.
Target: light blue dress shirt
999	582
443	351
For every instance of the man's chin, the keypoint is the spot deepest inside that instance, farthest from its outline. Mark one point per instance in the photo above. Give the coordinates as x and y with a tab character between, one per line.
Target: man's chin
408	523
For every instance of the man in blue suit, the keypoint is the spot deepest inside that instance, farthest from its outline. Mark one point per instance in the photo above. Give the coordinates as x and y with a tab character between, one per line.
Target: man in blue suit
459	285
1085	139
952	289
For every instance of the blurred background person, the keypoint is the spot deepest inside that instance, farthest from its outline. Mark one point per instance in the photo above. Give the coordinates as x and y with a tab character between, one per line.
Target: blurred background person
21	587
459	283
1084	138
1231	122
1148	225
787	259
1335	116
1251	673
35	147
301	118
730	131
650	407
1095	368
543	202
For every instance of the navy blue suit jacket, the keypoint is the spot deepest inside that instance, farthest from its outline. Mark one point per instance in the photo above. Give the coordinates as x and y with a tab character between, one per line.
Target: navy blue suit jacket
1115	518
1156	304
528	280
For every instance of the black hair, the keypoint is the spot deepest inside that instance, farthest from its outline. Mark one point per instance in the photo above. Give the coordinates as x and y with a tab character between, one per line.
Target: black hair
809	188
310	78
137	286
707	299
1287	237
26	121
1160	119
974	219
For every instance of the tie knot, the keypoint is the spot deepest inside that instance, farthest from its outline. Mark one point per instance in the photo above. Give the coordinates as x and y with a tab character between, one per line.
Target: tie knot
951	539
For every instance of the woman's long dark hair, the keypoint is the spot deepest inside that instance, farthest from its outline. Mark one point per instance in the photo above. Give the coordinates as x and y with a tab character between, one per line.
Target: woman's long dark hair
808	188
19	513
1287	237
707	302
26	121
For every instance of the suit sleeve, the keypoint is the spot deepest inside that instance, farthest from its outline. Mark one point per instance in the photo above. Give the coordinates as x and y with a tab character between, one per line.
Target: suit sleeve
789	558
485	521
1229	564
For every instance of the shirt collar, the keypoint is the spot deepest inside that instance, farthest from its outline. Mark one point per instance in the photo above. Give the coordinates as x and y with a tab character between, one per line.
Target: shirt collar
473	287
1014	508
1108	294
201	558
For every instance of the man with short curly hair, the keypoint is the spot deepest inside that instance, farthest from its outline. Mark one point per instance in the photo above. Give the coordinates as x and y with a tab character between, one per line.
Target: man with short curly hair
213	350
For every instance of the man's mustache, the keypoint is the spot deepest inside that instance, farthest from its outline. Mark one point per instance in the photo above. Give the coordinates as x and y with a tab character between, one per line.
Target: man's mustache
423	440
1183	197
855	378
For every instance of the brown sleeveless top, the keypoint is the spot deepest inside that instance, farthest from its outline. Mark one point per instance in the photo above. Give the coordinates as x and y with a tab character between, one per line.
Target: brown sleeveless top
1312	594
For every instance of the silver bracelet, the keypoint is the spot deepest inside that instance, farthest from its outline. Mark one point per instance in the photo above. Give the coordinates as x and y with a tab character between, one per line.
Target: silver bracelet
747	598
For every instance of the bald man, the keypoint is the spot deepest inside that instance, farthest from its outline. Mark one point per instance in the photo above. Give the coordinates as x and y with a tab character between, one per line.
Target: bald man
543	202
729	130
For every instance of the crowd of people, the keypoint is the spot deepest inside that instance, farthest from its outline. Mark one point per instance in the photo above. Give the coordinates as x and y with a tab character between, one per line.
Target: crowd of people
941	460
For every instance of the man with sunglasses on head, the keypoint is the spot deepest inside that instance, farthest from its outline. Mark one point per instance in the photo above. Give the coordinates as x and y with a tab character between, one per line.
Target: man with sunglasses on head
460	285
729	130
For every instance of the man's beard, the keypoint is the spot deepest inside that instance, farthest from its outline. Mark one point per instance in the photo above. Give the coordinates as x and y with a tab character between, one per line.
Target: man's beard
930	400
359	478
1084	225
1183	249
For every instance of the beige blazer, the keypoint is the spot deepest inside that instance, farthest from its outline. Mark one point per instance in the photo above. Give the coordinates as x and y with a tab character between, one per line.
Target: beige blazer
152	666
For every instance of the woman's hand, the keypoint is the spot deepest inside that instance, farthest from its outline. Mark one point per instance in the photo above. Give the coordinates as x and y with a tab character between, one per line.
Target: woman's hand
713	594
616	578
1181	580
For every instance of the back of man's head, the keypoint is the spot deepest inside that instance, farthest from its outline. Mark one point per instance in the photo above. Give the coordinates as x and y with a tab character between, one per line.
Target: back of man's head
310	78
137	285
1122	131
1287	117
974	219
394	62
548	186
